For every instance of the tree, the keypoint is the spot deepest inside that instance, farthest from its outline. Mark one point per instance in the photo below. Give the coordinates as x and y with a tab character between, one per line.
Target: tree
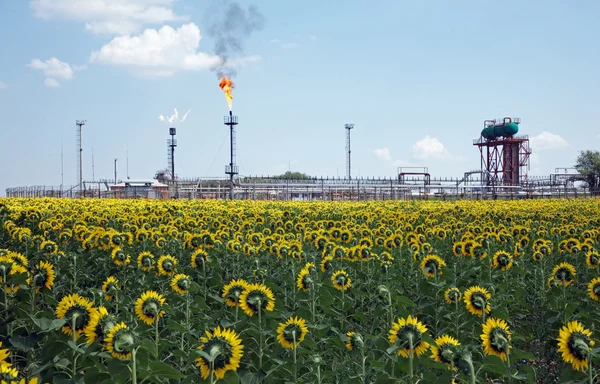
588	165
293	176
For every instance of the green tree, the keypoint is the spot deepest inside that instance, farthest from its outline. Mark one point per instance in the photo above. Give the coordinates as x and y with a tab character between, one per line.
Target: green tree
588	165
293	176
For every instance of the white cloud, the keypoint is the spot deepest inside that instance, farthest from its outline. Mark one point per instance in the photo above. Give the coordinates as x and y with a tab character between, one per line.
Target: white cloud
54	70
548	141
429	148
51	83
159	53
108	16
383	153
3	85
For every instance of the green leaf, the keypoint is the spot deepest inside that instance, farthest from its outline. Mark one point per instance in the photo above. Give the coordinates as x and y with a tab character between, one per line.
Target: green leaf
24	344
172	324
163	370
48	325
404	301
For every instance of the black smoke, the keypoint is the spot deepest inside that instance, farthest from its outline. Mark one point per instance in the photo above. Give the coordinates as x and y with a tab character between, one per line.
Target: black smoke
230	26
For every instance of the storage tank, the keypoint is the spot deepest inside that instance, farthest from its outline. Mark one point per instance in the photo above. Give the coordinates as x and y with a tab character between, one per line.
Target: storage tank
502	130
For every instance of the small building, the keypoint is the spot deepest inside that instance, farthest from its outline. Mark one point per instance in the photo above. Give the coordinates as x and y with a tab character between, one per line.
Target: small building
140	189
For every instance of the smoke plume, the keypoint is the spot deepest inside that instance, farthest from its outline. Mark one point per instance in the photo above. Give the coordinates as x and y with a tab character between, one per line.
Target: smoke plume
230	26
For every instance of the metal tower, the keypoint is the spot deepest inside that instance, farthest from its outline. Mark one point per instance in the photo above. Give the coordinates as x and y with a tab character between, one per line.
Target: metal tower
172	143
348	151
80	124
231	169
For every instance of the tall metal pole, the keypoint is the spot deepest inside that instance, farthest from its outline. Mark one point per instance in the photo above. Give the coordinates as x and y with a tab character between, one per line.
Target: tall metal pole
116	171
172	145
80	124
231	169
348	151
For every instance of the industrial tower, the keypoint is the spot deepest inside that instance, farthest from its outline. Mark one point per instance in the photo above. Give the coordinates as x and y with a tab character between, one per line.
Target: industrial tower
348	127
231	169
80	124
504	156
171	144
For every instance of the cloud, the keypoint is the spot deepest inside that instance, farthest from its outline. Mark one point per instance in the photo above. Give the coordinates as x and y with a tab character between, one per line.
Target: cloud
548	141
174	118
115	17
51	83
3	85
429	148
383	153
54	70
162	52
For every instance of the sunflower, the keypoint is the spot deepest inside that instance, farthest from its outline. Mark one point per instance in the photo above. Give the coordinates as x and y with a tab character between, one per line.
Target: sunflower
443	350
232	291
502	260
341	281
199	258
109	287
304	281
100	323
225	346
76	310
592	259
594	289
145	260
327	264
353	340
431	265
408	331
48	247
291	333
476	299
8	374
43	276
166	265
148	307
452	295
495	338
119	341
256	297
457	249
574	344
563	274
119	257
180	283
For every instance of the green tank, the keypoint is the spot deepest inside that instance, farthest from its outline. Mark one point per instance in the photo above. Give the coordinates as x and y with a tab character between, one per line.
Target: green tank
496	131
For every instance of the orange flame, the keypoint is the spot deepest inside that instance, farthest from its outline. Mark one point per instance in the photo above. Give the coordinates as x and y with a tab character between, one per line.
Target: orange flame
227	85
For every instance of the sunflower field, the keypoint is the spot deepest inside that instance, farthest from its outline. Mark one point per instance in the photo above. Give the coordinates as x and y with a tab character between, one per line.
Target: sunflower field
131	291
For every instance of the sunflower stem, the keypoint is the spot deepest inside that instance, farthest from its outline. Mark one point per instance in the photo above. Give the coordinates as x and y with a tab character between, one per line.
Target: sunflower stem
410	357
156	336
471	371
260	336
508	364
212	372
318	374
343	302
295	362
74	337
33	289
590	372
133	367
364	375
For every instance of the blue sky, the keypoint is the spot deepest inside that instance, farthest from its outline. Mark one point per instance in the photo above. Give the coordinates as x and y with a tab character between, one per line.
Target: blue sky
416	77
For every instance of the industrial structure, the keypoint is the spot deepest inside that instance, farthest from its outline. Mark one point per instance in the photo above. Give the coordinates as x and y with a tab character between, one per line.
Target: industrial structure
231	169
348	128
504	156
503	174
80	124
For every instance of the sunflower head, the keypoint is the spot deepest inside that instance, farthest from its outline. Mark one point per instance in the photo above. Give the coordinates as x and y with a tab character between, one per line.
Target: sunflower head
233	291
77	311
574	344
502	260
43	276
110	287
495	338
406	333
431	265
341	281
120	341
181	283
444	350
224	347
166	265
304	280
594	289
354	340
592	259
199	258
452	295
145	260
563	274
291	333
119	257
477	299
100	323
327	264
256	297
148	307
